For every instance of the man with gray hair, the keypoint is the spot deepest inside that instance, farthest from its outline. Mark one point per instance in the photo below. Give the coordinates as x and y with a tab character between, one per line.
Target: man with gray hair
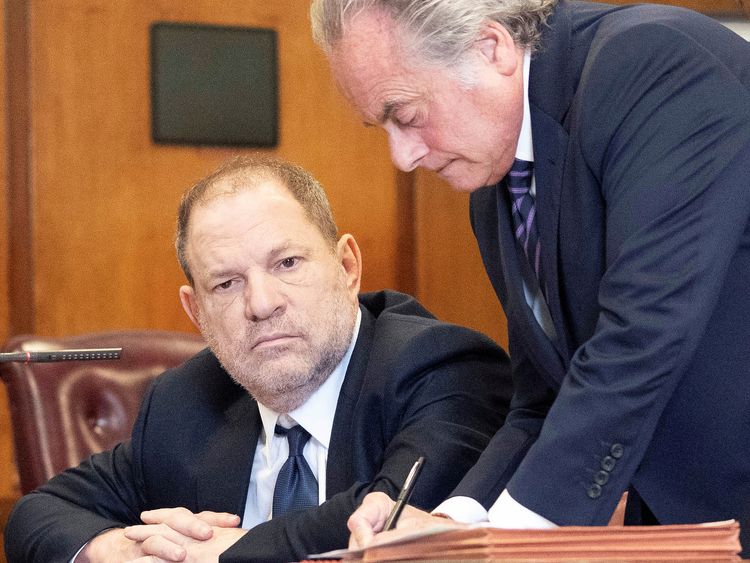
310	396
607	152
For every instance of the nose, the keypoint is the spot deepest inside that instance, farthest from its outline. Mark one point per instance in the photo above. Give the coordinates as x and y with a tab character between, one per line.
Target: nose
264	298
407	147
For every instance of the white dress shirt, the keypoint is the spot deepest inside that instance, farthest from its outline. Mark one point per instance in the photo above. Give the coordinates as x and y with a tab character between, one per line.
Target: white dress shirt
506	512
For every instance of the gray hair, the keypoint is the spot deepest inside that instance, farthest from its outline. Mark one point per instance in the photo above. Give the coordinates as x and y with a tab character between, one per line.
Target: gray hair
243	173
440	31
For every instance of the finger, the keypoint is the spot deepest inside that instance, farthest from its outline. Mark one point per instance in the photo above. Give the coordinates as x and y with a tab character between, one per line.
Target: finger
219	519
179	519
142	532
361	532
412	517
369	519
162	548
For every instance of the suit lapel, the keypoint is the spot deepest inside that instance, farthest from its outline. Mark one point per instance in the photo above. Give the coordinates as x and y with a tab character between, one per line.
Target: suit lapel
545	356
551	91
221	485
550	145
339	469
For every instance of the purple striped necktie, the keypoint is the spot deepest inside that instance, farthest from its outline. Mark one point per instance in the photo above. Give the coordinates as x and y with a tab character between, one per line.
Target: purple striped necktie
523	211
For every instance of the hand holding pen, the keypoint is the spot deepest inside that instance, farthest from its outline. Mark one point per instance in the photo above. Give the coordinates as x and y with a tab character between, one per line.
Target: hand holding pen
403	496
378	512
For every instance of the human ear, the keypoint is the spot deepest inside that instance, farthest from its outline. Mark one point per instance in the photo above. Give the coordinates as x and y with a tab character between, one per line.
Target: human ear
350	257
190	304
497	48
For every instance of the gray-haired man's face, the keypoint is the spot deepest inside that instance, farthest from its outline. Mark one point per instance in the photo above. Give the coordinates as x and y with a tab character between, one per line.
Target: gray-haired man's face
467	134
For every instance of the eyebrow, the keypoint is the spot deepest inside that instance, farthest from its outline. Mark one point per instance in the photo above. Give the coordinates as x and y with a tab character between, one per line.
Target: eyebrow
389	108
212	275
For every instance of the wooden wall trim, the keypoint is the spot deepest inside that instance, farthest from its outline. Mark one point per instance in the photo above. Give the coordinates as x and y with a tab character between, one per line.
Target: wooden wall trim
21	302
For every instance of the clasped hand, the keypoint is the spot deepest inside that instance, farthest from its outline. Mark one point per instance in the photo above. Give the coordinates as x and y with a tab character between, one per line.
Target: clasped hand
166	535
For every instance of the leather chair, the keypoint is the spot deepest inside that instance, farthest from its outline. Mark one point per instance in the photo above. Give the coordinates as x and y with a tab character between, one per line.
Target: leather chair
64	411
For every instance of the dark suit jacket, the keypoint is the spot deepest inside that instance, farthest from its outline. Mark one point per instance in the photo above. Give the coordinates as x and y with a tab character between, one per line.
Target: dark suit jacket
641	129
415	386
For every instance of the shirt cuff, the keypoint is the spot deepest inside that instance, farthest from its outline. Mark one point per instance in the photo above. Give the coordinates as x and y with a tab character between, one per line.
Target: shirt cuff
509	513
462	509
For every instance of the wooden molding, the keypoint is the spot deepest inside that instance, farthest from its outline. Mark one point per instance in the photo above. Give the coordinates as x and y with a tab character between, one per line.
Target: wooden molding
21	302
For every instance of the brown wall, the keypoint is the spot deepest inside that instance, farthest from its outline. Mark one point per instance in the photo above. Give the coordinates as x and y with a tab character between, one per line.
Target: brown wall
104	196
451	280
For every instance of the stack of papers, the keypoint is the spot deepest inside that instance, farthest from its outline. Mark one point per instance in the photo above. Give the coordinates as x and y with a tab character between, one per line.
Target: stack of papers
715	541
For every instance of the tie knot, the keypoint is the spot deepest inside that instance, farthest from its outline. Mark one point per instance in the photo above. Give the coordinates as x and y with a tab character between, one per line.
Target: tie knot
296	436
519	176
521	165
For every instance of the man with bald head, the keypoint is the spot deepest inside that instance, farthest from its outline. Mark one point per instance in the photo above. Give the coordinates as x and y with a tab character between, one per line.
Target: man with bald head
309	396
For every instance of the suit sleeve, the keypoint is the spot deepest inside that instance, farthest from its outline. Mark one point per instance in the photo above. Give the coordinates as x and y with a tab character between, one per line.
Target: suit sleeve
529	406
668	137
445	408
51	523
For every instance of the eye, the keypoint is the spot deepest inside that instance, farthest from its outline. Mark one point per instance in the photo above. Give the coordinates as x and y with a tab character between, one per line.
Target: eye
224	285
409	117
289	263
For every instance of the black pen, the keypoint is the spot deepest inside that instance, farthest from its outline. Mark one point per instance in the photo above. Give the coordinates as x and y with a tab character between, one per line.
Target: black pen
403	496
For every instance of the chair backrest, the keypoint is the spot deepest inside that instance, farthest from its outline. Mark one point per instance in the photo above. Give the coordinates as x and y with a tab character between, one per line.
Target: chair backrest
64	411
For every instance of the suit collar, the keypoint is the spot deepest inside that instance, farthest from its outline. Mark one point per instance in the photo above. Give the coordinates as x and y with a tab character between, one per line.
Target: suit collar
554	70
550	94
222	483
339	467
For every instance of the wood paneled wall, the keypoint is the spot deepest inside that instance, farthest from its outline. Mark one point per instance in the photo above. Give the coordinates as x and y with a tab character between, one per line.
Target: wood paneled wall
451	280
104	196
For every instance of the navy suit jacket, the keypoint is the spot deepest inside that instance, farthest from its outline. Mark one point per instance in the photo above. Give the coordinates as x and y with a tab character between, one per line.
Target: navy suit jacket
641	129
414	386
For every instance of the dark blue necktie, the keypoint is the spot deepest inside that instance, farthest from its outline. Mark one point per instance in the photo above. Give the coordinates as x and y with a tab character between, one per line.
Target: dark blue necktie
296	486
523	211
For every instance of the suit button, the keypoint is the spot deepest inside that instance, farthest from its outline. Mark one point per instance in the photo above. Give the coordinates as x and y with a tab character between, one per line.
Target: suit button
616	451
594	491
608	463
601	478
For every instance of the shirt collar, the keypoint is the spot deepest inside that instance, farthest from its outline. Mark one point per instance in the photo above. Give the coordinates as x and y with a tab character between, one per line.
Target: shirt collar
316	414
525	148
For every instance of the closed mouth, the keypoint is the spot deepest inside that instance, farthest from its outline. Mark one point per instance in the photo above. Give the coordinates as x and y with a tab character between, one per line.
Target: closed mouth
271	340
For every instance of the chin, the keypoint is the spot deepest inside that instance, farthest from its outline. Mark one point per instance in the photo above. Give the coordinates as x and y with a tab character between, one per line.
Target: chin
469	182
465	185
